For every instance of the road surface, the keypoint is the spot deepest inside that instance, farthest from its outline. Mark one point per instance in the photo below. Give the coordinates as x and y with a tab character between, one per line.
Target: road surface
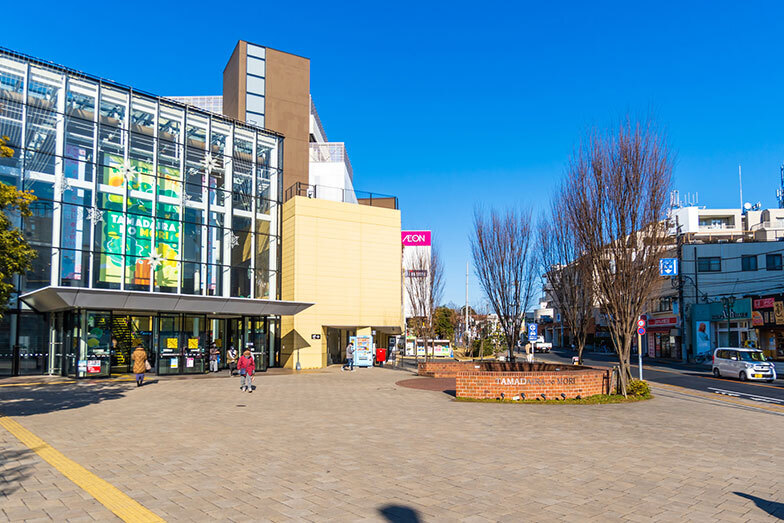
686	376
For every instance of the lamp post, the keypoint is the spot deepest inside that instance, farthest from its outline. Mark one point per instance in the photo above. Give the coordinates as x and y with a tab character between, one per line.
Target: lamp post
729	303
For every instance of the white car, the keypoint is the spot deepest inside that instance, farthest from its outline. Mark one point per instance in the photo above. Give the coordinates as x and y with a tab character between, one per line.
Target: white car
745	364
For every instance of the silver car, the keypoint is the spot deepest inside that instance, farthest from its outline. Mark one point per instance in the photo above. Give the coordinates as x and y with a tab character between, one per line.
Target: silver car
745	364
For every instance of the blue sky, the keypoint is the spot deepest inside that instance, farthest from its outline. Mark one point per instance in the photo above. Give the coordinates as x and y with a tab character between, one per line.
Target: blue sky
452	105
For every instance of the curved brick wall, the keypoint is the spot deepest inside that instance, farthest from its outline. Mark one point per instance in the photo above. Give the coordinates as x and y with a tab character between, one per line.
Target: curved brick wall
572	382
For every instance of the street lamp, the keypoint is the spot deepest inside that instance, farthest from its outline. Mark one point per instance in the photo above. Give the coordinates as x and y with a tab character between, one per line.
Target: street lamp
729	303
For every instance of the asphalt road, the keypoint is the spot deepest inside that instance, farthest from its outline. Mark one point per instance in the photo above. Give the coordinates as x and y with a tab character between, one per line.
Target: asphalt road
687	376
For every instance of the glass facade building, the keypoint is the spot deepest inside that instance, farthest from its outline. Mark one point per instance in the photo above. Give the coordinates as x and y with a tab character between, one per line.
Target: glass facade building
138	197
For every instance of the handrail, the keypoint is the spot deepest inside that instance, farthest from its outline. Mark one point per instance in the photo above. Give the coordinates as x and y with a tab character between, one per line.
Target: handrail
339	194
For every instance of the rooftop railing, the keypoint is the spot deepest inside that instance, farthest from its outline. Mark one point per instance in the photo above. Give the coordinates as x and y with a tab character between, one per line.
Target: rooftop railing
337	194
331	152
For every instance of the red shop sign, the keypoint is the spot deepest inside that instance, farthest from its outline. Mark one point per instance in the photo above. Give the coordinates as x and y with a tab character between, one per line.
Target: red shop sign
663	322
764	303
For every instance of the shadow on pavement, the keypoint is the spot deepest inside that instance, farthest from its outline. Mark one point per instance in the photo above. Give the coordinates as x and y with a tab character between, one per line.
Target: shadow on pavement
774	508
27	401
15	467
399	514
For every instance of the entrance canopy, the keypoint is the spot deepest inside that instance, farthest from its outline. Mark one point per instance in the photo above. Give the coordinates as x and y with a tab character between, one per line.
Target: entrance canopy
55	299
385	329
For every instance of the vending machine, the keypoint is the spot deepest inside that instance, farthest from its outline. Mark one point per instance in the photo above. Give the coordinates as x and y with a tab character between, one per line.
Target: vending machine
363	350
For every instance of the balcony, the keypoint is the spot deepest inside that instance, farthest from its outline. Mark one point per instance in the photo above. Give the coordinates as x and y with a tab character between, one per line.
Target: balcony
336	194
331	152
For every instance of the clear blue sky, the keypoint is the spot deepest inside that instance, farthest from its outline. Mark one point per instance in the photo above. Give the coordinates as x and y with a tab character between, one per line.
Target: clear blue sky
449	106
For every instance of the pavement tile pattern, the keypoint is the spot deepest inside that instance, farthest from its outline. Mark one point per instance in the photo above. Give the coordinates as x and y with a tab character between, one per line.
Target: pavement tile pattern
354	446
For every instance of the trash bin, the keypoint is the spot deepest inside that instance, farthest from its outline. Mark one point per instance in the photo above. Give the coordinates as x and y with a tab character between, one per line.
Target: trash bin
575	360
381	356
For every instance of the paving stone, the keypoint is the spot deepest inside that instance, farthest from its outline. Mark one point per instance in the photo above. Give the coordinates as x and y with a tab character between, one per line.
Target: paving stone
333	446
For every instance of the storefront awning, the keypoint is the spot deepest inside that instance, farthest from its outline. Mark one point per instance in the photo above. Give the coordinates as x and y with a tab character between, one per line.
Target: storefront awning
386	329
55	299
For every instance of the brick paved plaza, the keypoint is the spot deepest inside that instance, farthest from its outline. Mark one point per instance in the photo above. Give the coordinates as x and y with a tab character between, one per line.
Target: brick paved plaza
353	446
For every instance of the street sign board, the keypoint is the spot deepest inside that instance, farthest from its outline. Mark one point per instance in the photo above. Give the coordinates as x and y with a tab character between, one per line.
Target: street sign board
668	267
641	322
641	331
532	332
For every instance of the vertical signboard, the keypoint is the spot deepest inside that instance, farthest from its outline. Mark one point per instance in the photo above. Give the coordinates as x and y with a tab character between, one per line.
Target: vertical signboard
702	337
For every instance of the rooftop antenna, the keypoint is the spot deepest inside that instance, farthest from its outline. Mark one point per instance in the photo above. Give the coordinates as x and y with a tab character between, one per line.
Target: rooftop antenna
780	191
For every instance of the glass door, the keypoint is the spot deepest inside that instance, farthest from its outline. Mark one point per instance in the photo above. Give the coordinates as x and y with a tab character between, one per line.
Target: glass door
259	342
196	346
169	350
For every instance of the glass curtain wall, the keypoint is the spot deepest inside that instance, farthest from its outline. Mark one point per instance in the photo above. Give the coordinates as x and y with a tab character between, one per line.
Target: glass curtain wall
135	192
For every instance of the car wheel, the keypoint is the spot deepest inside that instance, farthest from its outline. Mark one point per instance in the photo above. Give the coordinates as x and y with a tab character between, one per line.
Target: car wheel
716	373
743	376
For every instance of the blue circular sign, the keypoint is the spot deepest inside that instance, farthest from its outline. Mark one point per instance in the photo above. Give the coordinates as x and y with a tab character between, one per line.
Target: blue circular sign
641	331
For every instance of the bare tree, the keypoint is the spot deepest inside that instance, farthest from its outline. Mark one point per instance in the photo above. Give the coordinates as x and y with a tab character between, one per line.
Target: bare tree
505	265
424	289
567	272
616	198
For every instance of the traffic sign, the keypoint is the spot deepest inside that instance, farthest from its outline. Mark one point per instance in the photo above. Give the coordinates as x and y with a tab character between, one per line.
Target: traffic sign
532	332
641	322
668	267
641	331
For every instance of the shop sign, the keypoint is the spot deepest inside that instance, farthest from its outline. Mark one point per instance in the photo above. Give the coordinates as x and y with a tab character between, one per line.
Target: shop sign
171	343
415	238
741	310
82	366
756	319
764	303
778	312
173	363
93	366
189	362
669	321
193	343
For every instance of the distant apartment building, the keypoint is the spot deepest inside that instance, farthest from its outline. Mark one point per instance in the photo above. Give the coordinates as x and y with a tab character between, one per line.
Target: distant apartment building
729	287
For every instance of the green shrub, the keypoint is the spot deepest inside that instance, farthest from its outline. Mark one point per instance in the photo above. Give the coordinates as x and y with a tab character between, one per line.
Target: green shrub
638	388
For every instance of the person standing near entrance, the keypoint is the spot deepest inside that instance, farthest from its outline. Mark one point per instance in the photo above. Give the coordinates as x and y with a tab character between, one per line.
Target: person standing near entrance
231	359
247	367
140	364
349	356
214	358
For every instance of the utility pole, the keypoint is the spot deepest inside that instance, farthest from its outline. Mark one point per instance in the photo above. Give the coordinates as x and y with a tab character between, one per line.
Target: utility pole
681	305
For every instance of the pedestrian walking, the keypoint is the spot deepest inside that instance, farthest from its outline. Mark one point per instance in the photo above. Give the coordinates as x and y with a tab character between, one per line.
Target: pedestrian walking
214	358
140	364
247	368
349	356
231	359
529	352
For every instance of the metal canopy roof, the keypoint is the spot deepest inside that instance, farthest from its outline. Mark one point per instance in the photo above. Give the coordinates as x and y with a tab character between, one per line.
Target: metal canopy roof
54	299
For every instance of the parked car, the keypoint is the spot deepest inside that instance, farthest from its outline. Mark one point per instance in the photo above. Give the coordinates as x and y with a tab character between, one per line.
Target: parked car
745	364
542	346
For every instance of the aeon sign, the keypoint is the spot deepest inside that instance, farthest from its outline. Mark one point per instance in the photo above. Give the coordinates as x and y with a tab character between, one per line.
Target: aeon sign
415	238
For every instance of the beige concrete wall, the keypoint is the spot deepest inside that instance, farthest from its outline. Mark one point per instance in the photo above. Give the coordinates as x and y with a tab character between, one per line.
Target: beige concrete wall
346	259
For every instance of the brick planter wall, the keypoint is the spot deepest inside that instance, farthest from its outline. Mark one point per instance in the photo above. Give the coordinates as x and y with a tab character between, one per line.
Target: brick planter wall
485	384
445	369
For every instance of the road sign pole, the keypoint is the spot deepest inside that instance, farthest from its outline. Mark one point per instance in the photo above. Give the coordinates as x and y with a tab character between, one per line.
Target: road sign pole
639	354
